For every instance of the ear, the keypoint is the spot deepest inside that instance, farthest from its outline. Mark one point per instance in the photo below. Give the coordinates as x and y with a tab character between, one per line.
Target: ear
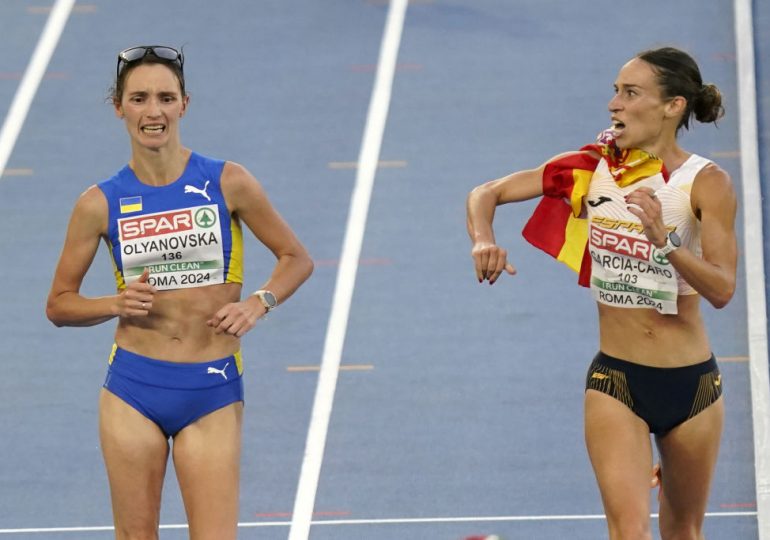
185	103
676	106
118	110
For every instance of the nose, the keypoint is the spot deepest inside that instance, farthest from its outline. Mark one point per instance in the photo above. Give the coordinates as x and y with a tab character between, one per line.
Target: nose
153	108
614	104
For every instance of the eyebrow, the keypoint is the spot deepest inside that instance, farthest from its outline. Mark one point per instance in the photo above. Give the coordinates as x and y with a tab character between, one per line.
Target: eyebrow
160	93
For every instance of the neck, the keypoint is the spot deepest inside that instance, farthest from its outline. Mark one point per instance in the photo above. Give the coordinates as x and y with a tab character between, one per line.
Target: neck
159	167
667	149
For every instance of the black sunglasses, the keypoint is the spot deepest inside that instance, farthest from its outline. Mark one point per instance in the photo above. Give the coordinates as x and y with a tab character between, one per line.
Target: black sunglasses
134	54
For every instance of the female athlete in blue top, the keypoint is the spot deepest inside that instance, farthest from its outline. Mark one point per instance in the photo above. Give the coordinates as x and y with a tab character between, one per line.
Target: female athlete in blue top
172	221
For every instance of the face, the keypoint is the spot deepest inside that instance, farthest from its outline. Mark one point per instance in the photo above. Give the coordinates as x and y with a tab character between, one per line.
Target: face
641	116
151	105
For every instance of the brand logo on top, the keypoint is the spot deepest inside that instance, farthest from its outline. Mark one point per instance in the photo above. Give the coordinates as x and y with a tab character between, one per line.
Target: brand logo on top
156	224
620	243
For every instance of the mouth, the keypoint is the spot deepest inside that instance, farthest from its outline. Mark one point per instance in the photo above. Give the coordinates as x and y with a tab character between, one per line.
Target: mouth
153	129
617	126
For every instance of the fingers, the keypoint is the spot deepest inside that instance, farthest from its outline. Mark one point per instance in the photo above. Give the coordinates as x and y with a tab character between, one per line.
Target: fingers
136	303
145	276
644	204
644	200
481	262
137	298
490	261
234	319
498	266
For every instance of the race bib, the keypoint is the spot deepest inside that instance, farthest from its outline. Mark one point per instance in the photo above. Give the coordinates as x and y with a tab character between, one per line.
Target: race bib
181	248
628	271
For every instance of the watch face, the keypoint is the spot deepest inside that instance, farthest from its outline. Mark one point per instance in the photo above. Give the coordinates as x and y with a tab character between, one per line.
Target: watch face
269	299
674	238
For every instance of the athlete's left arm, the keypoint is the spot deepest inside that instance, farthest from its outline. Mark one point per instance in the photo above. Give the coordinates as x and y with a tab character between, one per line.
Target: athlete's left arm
247	200
714	203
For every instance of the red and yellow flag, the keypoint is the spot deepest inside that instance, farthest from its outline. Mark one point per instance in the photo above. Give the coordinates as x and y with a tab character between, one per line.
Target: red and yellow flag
556	226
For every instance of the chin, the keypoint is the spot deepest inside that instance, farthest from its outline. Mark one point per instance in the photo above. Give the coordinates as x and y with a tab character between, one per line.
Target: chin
153	144
623	142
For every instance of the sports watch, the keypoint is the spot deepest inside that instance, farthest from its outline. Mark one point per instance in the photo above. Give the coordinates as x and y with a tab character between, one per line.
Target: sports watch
267	298
673	242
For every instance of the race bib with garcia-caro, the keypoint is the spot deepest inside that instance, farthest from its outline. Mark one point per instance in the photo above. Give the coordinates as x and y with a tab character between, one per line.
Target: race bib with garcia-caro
181	248
627	270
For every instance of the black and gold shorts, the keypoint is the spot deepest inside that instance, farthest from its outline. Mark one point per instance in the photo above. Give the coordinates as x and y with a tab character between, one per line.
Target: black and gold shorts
662	397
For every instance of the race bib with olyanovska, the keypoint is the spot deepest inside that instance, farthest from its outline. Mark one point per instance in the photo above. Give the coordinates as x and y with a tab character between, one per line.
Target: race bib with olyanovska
181	248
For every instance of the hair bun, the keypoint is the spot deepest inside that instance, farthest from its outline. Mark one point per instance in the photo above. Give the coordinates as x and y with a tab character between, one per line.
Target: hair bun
708	104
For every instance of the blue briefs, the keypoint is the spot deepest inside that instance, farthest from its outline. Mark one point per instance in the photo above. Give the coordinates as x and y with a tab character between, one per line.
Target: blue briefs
173	394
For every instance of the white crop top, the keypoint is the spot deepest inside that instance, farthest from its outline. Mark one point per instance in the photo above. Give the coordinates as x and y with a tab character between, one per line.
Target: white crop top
626	269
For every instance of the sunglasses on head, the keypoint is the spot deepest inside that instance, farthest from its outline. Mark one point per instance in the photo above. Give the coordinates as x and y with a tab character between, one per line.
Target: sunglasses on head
134	54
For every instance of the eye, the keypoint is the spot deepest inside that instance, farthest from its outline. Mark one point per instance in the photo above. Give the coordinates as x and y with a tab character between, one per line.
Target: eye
631	92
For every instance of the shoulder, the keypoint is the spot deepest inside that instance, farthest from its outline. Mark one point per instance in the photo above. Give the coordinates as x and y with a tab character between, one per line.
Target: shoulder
91	209
712	179
92	199
713	188
235	175
238	185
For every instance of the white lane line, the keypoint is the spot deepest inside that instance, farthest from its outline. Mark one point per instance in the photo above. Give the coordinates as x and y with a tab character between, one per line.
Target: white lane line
32	77
754	260
391	521
346	276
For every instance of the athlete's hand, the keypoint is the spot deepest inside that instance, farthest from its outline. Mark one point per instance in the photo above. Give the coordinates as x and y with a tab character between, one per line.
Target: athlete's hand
490	260
136	299
644	204
237	318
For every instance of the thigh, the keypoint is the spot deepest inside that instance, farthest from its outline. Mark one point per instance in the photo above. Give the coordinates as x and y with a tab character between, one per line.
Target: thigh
620	450
135	455
688	457
207	457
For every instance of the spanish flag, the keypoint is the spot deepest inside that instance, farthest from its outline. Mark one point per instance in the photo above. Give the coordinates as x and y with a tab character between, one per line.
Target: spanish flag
558	225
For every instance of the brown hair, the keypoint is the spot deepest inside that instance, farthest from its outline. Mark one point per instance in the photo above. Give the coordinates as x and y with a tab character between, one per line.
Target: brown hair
678	75
116	91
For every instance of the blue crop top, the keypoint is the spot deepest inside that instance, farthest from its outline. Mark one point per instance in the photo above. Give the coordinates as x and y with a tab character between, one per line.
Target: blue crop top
182	232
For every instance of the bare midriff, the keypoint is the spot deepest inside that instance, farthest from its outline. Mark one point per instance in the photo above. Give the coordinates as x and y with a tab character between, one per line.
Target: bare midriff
176	329
644	336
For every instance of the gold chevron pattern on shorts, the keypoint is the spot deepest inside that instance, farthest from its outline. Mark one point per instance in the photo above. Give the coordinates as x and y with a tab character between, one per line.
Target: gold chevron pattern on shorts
609	381
709	390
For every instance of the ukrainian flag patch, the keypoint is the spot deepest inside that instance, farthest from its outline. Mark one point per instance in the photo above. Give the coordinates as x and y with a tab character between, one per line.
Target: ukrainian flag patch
130	204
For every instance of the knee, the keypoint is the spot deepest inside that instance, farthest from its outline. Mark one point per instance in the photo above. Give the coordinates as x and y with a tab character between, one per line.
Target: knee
681	531
136	532
629	528
679	525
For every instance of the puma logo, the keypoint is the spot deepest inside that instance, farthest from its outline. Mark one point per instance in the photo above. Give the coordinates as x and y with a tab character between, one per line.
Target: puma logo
598	202
718	381
192	189
219	371
599	376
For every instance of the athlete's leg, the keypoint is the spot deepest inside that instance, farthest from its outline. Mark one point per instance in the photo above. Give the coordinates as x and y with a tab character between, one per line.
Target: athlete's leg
688	457
135	454
619	446
207	456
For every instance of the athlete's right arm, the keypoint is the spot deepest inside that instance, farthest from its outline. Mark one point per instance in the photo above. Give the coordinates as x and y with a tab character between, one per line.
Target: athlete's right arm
66	306
490	259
